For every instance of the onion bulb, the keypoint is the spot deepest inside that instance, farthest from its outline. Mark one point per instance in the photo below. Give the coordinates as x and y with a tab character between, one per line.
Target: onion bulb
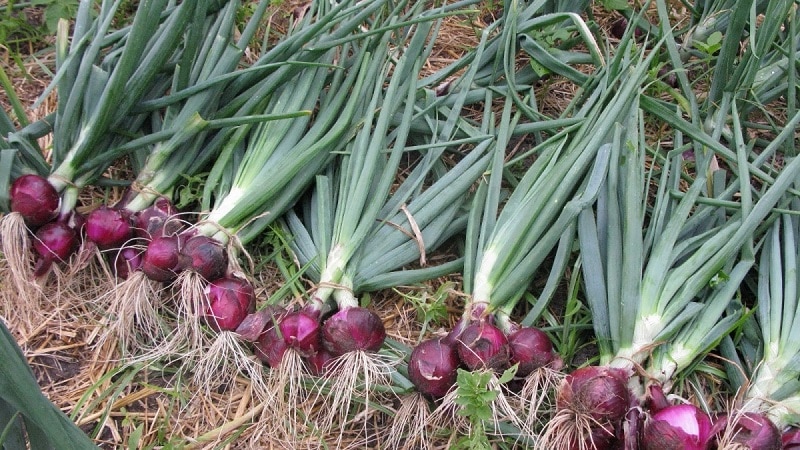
35	199
433	367
353	329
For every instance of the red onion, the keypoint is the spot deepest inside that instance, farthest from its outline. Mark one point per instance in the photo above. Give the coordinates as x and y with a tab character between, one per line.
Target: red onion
678	427
433	367
229	301
157	220
205	256
162	259
319	362
35	199
54	241
297	330
531	348
126	261
108	227
598	392
353	329
483	345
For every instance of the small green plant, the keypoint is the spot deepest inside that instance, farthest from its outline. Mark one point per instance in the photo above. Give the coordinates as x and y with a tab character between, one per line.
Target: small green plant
430	306
711	45
475	395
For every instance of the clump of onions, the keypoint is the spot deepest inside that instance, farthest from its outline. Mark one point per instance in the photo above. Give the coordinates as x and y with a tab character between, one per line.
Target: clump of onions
353	329
433	367
230	300
161	261
33	197
483	345
54	242
678	427
108	227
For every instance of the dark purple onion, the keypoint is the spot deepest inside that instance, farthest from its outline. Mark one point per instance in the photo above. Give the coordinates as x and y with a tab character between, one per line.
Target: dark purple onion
161	260
433	367
157	220
35	199
126	261
531	348
598	392
270	346
483	345
54	241
205	256
229	301
678	427
108	227
353	329
755	431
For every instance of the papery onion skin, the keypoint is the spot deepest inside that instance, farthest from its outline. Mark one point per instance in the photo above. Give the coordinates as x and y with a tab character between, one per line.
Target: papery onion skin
255	323
433	367
353	329
483	345
108	228
35	199
678	427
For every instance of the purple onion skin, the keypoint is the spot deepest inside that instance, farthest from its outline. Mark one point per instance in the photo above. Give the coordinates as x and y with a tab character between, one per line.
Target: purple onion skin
678	427
532	349
108	227
35	199
205	256
433	367
755	431
353	329
156	220
255	323
54	241
483	345
229	301
161	260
